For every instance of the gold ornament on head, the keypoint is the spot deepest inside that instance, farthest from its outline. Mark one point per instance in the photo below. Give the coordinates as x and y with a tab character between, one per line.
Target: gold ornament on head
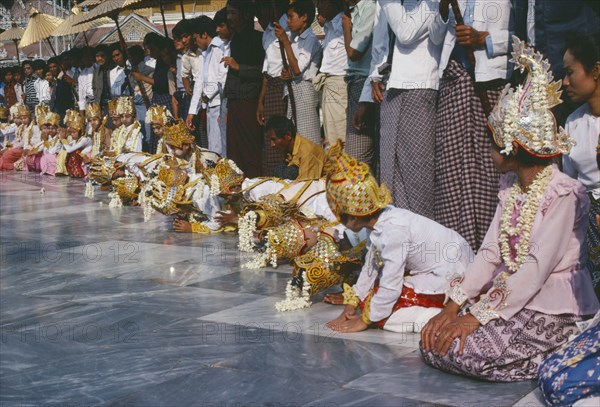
523	115
159	114
40	112
23	110
112	108
178	134
14	111
226	175
125	105
52	119
287	240
127	188
92	111
74	120
351	189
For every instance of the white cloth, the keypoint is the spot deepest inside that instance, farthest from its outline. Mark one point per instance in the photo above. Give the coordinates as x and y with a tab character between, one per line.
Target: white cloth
412	319
581	163
260	190
191	62
307	50
19	93
54	146
335	58
84	88
531	22
116	76
42	90
491	59
79	144
31	137
273	65
407	243
214	74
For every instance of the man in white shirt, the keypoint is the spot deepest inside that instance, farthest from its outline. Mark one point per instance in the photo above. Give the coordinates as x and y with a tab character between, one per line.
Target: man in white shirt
330	80
118	79
86	78
207	89
408	101
466	179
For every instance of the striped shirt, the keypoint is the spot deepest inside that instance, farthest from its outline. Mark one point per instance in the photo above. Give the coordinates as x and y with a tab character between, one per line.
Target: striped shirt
30	91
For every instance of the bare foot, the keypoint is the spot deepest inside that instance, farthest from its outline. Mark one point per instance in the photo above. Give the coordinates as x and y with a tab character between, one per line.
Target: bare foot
334	298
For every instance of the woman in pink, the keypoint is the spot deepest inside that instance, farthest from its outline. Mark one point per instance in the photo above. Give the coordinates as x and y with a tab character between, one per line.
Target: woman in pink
52	144
79	141
528	285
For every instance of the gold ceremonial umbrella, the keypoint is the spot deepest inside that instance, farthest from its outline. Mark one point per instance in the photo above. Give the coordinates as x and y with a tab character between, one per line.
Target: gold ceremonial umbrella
13	34
88	3
70	27
40	27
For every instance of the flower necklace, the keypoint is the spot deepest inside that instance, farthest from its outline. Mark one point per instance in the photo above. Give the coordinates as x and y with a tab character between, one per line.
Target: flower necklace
515	257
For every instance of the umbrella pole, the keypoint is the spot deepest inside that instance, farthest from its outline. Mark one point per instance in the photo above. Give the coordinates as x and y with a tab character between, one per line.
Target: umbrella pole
51	46
162	13
182	9
17	49
86	40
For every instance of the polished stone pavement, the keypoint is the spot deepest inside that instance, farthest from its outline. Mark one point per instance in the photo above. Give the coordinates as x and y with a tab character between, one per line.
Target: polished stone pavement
99	308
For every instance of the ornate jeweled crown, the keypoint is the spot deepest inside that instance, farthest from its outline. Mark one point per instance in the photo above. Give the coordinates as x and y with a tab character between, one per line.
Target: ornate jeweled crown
74	120
125	105
52	119
112	108
523	115
23	110
14	111
92	111
166	191
287	240
178	134
127	188
40	112
159	114
351	189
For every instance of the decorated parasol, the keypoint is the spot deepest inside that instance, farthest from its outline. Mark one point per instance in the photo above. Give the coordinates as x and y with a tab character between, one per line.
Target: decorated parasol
71	27
39	28
13	34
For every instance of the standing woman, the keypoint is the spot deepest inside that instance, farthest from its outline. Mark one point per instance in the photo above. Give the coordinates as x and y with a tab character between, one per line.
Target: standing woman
242	88
582	82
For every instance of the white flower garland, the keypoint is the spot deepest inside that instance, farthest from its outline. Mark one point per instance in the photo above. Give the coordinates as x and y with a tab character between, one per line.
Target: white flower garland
234	167
42	191
246	229
115	201
293	299
525	220
215	185
144	201
89	190
268	256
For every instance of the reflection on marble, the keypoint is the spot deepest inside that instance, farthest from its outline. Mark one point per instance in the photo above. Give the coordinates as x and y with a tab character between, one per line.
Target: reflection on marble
98	307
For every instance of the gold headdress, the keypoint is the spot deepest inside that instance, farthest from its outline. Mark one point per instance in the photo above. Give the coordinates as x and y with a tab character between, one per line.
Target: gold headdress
159	114
52	119
287	240
166	191
74	120
523	115
14	111
351	189
112	108
178	134
125	105
127	188
23	110
93	111
40	111
224	177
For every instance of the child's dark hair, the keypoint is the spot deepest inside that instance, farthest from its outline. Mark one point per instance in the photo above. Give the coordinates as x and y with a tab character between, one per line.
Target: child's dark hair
204	24
184	27
522	156
281	126
585	48
304	7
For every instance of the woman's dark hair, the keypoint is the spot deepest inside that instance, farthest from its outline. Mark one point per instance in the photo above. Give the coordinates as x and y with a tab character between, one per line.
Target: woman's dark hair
281	126
585	48
184	27
246	8
304	7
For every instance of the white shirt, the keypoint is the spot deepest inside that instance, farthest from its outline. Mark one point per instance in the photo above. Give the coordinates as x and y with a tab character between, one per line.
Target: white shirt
491	60
79	144
84	89
214	76
42	90
335	58
307	50
415	251
151	62
116	76
581	163
191	63
273	64
19	93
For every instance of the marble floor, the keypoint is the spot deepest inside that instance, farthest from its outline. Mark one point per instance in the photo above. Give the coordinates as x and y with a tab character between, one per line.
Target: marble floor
99	308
